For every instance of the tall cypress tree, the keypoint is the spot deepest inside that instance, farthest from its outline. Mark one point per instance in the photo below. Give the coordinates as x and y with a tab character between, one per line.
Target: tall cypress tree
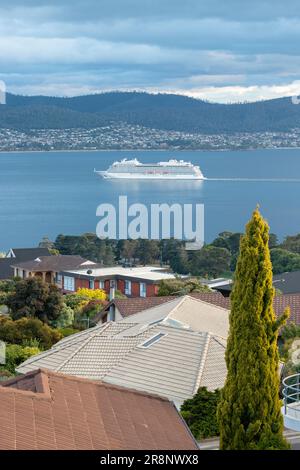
249	411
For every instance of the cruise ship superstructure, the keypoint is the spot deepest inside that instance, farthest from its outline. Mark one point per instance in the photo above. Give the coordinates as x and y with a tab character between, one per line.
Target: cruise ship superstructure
133	169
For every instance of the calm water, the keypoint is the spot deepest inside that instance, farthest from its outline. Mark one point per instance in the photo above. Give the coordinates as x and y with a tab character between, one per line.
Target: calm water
51	193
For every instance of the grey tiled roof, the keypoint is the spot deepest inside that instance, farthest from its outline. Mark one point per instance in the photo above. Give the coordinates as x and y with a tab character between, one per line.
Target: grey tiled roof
26	254
21	254
51	263
173	367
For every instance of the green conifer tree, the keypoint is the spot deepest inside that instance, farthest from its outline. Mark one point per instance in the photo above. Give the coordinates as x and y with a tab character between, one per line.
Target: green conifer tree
249	412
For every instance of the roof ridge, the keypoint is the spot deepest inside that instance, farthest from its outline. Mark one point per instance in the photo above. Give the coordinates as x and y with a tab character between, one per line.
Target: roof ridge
102	383
131	350
181	301
68	339
202	363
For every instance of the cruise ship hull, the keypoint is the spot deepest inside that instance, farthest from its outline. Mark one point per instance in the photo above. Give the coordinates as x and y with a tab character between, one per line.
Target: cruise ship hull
136	176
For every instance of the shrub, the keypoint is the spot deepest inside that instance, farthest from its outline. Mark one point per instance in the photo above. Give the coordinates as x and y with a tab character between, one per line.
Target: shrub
34	298
16	354
290	331
5	374
67	331
92	294
74	300
66	317
28	329
92	308
200	413
180	286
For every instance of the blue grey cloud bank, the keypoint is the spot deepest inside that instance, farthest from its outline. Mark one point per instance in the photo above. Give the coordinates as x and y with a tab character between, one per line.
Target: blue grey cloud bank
216	50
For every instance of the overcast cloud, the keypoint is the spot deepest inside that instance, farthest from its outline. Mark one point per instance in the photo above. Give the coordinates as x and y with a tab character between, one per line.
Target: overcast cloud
213	49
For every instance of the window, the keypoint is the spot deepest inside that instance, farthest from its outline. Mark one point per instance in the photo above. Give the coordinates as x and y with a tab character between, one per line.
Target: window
69	283
58	278
152	340
127	287
91	284
143	291
101	284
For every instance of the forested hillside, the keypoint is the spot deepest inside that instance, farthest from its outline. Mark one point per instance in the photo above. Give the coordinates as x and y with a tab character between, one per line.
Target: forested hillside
161	111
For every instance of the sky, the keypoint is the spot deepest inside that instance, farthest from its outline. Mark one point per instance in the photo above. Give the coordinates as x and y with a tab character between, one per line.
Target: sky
221	51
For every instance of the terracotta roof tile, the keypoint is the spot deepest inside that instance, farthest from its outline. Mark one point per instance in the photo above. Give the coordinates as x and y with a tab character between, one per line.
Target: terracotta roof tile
48	410
133	305
128	307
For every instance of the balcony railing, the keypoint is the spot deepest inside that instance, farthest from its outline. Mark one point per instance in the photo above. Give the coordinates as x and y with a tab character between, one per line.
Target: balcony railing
291	400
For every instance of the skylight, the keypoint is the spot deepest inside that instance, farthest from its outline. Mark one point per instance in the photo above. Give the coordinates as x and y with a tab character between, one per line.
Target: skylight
152	340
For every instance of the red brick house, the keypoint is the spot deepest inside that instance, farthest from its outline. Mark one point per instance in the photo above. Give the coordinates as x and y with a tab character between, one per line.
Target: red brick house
132	282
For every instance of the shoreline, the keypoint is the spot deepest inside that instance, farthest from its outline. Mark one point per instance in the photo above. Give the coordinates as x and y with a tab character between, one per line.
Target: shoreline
150	150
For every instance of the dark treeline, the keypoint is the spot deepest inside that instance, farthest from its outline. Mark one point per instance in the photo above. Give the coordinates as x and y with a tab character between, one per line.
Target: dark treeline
214	259
161	111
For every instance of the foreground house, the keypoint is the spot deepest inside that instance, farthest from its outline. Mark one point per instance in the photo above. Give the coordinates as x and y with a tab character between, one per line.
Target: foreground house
19	255
185	311
48	268
168	361
142	281
46	410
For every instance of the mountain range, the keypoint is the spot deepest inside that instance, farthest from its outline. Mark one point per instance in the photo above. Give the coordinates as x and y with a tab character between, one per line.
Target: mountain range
158	111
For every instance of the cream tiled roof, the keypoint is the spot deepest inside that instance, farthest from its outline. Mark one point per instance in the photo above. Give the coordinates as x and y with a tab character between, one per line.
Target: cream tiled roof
172	367
189	312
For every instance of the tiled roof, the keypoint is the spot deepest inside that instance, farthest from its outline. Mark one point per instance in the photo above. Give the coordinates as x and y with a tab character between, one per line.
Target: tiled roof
280	303
215	298
22	254
46	410
187	312
288	300
51	263
128	307
287	283
172	367
26	254
134	305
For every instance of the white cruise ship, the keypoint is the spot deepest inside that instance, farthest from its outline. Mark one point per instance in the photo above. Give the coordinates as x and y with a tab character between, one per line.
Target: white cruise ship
133	169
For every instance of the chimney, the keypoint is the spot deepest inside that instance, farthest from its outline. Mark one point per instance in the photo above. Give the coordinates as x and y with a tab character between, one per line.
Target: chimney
112	308
112	290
